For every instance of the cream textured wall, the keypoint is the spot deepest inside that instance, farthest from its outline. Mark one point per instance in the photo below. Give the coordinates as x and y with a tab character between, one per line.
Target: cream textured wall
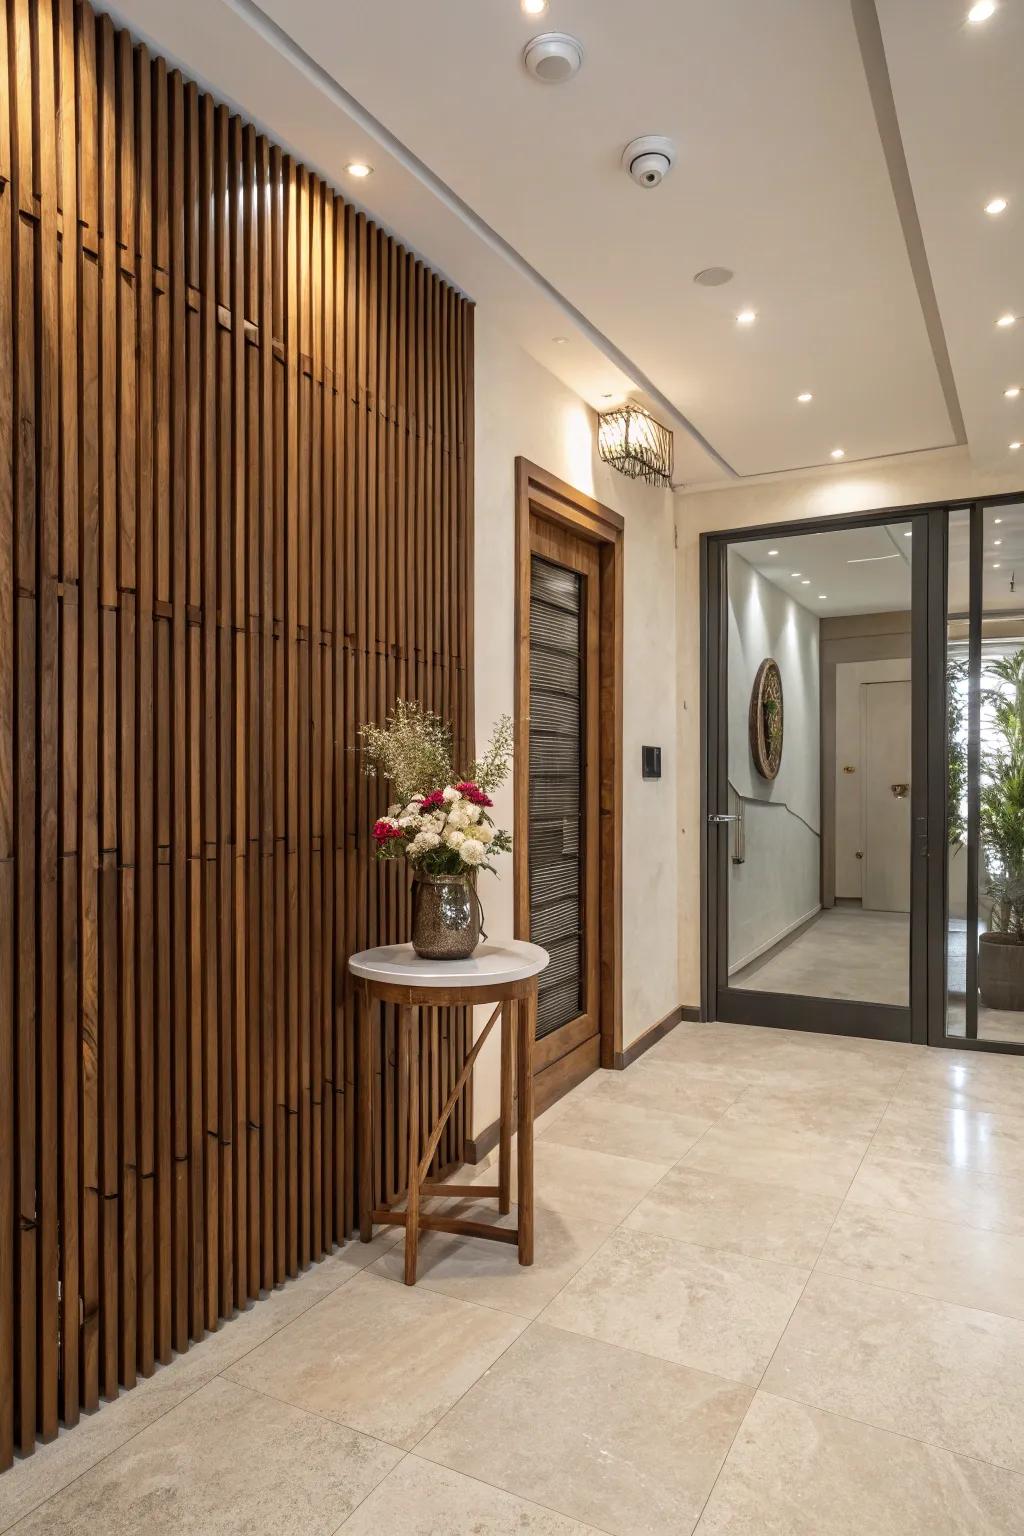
914	479
523	409
778	885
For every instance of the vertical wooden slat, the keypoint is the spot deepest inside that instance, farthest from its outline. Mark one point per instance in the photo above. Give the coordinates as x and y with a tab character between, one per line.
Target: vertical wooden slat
235	441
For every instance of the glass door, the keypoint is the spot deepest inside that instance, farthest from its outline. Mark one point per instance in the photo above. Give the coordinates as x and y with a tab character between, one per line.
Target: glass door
816	814
981	1006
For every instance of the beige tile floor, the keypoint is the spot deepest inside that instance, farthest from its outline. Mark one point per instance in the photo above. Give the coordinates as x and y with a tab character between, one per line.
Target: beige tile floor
778	1290
844	952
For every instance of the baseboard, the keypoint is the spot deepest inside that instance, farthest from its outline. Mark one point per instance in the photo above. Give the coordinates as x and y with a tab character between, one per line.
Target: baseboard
478	1147
642	1043
777	939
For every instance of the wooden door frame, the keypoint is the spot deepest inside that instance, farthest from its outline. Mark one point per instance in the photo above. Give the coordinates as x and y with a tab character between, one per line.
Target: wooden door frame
545	496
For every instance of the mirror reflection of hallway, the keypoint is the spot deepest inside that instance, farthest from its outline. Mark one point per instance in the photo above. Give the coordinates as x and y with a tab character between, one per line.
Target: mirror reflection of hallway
820	855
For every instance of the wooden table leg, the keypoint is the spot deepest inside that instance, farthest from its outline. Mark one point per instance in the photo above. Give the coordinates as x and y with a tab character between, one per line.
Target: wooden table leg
527	1027
508	1067
410	1027
366	1022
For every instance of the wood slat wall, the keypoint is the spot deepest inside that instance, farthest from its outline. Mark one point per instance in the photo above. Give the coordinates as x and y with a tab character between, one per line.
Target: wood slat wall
235	521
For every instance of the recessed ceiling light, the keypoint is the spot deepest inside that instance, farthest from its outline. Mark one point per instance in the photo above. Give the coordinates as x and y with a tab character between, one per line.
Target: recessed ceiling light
982	11
773	551
1014	447
997	205
559	341
997	541
806	581
359	169
1007	319
805	398
995	565
909	533
838	453
997	520
533	7
822	596
794	574
1012	392
746	317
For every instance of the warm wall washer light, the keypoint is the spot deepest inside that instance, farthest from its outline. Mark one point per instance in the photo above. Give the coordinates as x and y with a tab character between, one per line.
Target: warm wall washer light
533	7
359	169
746	317
982	11
805	398
997	205
838	453
1006	320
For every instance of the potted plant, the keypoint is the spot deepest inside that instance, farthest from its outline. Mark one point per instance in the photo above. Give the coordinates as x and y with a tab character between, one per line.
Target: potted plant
440	822
1001	949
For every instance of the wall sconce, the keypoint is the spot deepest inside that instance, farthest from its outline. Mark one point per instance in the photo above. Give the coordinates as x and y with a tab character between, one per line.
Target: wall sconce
630	439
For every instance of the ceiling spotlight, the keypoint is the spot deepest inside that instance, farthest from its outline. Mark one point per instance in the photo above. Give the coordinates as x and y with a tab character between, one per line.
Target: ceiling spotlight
997	205
838	453
746	317
995	565
806	581
559	341
822	596
805	398
1007	319
982	11
794	574
909	533
533	7
1014	447
773	551
1013	392
997	541
997	519
359	169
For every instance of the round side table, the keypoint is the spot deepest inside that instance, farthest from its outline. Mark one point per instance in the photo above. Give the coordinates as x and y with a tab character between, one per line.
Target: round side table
504	974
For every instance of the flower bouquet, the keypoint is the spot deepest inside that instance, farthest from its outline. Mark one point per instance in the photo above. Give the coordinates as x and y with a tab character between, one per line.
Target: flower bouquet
440	822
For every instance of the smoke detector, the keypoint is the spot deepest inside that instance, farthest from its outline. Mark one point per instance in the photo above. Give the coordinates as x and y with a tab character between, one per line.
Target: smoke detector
553	57
649	159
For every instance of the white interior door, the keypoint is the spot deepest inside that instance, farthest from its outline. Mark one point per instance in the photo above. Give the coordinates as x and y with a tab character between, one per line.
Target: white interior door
886	717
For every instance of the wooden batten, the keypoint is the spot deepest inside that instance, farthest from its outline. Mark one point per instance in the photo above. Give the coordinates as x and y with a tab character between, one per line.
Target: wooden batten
236	484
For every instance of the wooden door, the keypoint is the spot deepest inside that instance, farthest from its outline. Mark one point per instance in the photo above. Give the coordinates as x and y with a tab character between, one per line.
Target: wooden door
563	835
885	715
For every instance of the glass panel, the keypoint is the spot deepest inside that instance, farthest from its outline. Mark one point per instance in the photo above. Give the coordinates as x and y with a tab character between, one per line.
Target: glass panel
1000	974
555	784
819	763
957	692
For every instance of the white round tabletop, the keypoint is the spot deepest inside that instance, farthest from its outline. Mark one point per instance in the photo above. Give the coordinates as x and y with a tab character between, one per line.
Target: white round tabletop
490	965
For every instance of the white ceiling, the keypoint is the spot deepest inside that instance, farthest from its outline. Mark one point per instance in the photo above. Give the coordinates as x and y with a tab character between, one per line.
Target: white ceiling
841	571
514	190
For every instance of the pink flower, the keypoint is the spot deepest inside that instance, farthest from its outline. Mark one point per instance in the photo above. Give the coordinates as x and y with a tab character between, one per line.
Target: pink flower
433	800
385	831
473	793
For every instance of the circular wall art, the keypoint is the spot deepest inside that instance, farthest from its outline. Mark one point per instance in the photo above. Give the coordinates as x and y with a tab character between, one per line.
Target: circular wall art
766	719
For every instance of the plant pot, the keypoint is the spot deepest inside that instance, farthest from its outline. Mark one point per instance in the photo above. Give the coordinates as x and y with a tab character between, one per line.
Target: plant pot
1001	971
447	919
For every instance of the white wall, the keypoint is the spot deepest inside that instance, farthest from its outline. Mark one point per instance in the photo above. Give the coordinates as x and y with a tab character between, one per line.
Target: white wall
902	482
521	409
778	885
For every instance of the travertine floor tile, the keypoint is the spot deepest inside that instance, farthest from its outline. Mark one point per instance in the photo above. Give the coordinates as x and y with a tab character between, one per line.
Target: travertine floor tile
794	1471
581	1183
382	1358
603	1124
768	1154
420	1498
714	1311
942	1373
762	1221
566	1422
227	1462
942	1191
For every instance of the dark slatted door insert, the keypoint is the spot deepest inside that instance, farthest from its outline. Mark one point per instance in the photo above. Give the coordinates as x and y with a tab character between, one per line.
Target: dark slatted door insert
556	788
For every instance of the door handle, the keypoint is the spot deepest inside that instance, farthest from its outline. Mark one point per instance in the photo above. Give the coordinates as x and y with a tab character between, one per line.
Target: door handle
723	818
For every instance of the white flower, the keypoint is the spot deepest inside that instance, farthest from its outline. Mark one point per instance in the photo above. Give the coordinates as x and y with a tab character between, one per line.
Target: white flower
454	838
428	839
472	813
483	833
457	818
450	794
437	821
410	820
472	851
394	811
413	808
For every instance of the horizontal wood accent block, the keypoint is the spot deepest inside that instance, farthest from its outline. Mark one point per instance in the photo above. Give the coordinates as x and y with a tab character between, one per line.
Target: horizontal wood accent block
236	481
